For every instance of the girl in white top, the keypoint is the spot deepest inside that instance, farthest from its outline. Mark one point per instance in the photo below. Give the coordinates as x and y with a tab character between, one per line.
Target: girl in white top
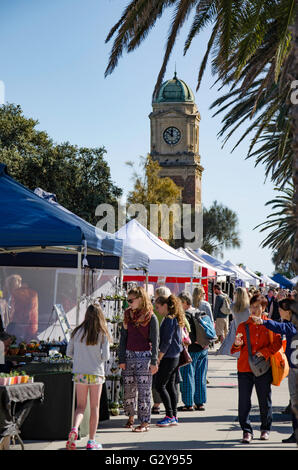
89	347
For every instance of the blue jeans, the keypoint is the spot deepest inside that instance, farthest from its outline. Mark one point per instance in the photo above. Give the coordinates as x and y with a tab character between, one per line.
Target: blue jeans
194	375
246	382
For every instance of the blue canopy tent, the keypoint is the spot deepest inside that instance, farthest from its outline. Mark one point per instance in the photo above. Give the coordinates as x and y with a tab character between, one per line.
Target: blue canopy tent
283	281
36	232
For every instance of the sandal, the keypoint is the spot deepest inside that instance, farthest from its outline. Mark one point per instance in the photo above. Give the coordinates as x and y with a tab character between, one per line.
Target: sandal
200	407
129	423
141	428
186	408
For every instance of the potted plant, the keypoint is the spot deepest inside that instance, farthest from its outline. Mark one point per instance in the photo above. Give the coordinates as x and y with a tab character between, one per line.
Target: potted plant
22	349
4	378
13	350
114	408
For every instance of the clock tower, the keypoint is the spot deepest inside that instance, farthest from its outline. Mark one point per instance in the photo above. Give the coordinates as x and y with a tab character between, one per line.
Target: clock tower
175	123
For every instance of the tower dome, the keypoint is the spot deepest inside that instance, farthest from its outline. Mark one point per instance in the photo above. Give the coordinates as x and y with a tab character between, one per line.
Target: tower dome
173	91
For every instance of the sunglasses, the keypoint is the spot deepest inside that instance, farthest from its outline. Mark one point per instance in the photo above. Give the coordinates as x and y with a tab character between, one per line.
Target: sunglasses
130	301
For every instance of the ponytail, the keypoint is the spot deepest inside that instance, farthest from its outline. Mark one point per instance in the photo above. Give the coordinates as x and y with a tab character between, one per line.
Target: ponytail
175	308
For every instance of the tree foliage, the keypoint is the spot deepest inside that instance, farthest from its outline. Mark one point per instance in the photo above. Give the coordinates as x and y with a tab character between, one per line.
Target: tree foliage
78	176
220	229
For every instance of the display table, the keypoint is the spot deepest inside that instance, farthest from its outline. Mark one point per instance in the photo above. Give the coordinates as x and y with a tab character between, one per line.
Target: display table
16	402
53	420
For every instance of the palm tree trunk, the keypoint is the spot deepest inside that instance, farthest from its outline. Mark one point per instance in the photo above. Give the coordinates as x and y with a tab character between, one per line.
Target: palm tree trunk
293	75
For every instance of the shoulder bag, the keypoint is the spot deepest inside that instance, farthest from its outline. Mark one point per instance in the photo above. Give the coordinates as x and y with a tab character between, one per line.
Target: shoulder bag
279	364
259	366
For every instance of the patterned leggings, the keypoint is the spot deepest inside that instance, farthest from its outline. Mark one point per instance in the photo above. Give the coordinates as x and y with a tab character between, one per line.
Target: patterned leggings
137	382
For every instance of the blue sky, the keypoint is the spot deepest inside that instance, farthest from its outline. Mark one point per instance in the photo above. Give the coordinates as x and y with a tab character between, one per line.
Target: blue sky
53	58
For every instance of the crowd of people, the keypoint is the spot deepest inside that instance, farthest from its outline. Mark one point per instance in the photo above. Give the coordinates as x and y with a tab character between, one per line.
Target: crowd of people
153	335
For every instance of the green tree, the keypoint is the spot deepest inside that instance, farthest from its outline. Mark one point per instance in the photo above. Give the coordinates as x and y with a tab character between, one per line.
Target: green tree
220	229
151	189
79	177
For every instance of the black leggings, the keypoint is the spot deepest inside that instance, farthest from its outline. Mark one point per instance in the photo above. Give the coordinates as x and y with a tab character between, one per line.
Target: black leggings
165	384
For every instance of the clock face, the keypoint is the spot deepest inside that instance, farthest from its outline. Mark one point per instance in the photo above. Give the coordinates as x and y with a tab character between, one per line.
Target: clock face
172	135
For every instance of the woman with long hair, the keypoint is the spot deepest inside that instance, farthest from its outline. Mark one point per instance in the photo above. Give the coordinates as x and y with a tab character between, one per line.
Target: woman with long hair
89	347
199	302
138	357
170	347
162	291
240	312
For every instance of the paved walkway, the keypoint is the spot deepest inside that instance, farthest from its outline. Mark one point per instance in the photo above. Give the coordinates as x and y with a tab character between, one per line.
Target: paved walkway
216	428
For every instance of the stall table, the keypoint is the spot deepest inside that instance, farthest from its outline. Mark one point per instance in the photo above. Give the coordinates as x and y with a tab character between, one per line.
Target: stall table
16	402
53	420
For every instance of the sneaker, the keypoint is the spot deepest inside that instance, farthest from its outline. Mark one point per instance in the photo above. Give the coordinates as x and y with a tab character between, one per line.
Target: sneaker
72	437
174	421
166	421
290	440
93	445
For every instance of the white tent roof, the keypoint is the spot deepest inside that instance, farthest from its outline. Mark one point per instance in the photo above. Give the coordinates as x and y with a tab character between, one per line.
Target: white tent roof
251	273
241	274
267	280
193	255
295	279
214	262
164	260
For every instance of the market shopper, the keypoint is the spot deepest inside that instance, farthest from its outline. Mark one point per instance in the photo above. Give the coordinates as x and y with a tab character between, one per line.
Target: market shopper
162	291
89	347
241	313
138	357
199	302
168	357
261	347
287	328
221	319
194	375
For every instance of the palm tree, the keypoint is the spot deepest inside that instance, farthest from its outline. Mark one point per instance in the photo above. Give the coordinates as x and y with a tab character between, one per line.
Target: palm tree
241	29
282	225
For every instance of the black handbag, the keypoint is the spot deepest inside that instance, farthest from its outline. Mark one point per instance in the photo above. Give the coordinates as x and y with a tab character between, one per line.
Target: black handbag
184	357
258	364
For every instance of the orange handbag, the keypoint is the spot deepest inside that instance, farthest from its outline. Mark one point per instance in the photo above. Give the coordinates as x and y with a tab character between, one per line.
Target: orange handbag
279	364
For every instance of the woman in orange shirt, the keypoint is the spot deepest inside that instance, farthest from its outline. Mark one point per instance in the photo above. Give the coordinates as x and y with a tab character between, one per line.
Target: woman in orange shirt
260	346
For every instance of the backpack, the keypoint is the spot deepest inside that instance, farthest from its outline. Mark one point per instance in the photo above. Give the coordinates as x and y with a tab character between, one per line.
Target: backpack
226	306
205	333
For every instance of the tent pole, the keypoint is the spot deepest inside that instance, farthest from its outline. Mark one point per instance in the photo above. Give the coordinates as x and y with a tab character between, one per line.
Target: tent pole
147	276
79	285
191	286
121	273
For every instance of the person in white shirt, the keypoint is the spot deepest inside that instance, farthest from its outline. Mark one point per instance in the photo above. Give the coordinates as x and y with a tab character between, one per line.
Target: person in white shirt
89	347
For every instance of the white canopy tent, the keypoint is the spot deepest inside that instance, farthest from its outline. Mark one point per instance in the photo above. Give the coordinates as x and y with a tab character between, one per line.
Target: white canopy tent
193	255
295	279
163	259
269	282
240	273
217	265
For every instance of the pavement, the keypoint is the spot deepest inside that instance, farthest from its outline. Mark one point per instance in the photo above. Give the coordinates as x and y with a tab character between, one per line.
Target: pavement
216	428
